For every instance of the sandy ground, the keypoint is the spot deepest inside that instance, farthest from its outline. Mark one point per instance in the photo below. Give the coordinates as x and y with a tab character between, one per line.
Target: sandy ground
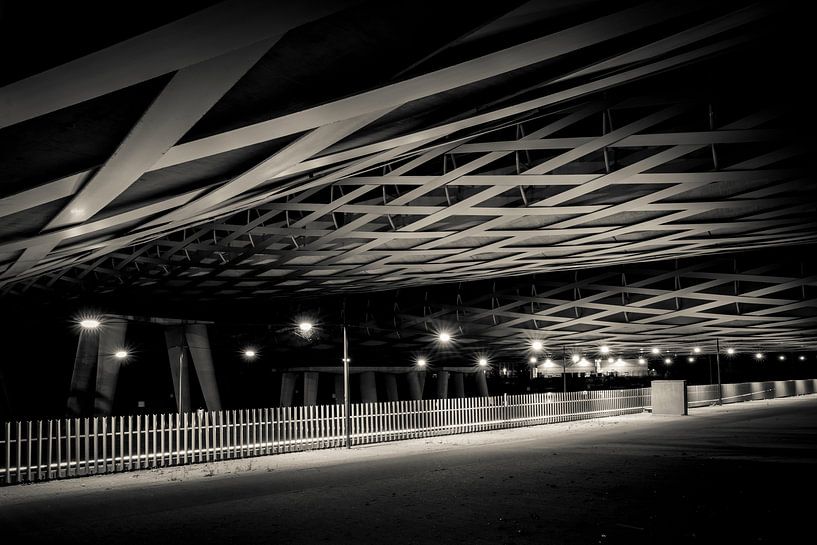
727	474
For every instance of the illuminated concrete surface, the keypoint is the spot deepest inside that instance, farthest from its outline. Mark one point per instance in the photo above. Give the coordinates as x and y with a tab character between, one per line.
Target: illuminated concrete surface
723	473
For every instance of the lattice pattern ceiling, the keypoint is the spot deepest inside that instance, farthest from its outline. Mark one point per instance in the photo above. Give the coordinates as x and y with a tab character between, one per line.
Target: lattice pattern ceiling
499	152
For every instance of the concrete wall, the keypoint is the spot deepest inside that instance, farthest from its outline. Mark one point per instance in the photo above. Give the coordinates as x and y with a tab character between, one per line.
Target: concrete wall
669	397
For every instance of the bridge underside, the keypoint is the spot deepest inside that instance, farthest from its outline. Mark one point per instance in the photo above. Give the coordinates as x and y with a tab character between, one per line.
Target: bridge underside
646	164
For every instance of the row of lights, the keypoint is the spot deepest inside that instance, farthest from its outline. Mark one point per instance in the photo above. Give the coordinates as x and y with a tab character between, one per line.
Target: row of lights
306	327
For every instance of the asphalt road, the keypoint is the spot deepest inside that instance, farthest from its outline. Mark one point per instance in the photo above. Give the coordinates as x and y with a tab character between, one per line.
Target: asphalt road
737	474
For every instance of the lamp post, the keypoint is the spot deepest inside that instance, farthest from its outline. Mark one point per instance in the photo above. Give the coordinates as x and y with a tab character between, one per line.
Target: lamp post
347	405
718	363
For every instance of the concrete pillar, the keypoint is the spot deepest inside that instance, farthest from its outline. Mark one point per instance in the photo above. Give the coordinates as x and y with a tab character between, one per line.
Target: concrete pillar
391	386
482	383
368	387
415	387
5	404
339	389
179	359
287	389
111	340
198	344
459	385
442	385
80	396
310	388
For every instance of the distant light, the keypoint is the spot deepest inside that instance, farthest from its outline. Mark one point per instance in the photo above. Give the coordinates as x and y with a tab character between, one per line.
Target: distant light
697	350
482	362
667	361
730	351
584	362
548	362
445	337
619	361
802	358
305	327
605	349
120	354
532	359
610	360
89	323
249	353
781	357
575	358
642	361
655	351
346	360
421	362
537	346
690	359
759	356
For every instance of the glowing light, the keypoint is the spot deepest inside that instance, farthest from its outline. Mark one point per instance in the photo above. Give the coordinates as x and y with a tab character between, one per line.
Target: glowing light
421	362
697	350
575	358
444	336
781	357
121	354
759	356
730	351
249	353
532	359
548	362
537	346
642	361
802	358
667	360
89	323
305	327
655	351
619	361
610	360
604	349
584	362
690	359
482	362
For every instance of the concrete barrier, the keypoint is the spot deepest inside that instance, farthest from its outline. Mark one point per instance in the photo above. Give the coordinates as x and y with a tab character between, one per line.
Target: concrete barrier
784	388
669	397
803	387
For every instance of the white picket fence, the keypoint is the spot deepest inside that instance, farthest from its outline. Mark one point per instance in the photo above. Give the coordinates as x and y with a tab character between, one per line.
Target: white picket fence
53	449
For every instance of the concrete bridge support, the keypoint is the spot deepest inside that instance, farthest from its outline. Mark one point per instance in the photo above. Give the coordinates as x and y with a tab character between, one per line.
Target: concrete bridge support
198	345
368	387
442	384
459	385
287	389
111	340
339	389
310	388
416	381
482	383
80	396
179	358
391	386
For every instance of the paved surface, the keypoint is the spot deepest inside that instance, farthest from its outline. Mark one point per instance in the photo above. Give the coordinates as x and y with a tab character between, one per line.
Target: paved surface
730	474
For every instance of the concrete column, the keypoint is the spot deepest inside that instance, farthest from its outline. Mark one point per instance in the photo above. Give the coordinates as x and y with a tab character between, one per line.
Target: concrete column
339	389
310	388
5	404
415	387
179	359
368	387
459	385
442	385
80	396
287	389
198	344
111	340
482	383
391	386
